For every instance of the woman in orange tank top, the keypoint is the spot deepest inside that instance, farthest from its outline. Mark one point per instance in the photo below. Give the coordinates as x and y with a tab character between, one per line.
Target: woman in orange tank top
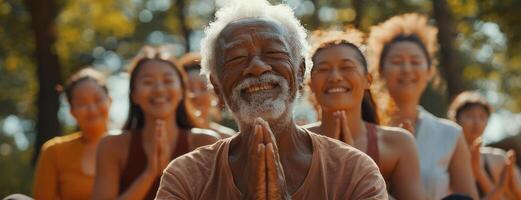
66	166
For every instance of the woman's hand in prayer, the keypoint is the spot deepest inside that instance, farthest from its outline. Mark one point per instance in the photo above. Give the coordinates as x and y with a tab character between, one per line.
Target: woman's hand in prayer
157	152
514	185
342	131
475	156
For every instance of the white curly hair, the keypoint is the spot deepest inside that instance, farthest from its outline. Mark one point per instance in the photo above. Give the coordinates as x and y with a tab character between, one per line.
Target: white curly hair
235	10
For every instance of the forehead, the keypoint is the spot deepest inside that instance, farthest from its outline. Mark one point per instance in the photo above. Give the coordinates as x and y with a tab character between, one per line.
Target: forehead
152	67
251	26
87	87
336	52
405	48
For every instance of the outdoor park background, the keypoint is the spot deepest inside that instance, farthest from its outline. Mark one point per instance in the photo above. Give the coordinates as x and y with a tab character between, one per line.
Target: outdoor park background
43	41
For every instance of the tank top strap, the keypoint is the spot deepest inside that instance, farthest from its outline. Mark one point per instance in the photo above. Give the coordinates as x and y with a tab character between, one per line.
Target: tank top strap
372	142
182	145
136	162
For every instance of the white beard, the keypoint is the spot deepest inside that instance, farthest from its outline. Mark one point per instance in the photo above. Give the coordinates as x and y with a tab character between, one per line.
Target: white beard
259	106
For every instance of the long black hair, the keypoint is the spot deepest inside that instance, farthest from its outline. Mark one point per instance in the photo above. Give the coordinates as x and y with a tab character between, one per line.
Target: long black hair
136	118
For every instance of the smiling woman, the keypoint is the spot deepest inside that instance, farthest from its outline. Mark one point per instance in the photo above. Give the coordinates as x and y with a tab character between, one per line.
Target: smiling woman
66	166
340	84
403	60
158	129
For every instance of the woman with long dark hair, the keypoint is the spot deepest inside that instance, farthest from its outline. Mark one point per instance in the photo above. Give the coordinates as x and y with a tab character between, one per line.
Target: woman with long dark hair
340	85
158	129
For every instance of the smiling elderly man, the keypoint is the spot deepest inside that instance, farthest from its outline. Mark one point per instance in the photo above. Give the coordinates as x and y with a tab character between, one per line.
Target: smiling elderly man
253	54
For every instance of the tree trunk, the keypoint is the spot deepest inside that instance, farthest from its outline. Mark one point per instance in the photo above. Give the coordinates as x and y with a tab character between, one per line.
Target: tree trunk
185	30
449	53
358	5
315	21
42	24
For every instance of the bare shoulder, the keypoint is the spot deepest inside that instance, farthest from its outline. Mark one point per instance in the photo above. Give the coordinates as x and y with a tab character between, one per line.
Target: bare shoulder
200	137
395	136
116	141
115	146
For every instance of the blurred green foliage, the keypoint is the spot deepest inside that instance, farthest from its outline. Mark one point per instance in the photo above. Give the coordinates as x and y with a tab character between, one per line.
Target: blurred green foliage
108	33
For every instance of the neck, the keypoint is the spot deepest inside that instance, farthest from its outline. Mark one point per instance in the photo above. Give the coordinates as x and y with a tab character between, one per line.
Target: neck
407	111
91	137
354	122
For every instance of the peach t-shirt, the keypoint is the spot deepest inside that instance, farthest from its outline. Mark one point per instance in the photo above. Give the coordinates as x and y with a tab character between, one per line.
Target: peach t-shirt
337	171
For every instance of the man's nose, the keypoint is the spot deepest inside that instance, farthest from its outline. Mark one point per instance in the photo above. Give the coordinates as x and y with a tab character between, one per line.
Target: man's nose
257	67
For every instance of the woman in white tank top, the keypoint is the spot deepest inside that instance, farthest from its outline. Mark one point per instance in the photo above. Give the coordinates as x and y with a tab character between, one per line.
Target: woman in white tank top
403	62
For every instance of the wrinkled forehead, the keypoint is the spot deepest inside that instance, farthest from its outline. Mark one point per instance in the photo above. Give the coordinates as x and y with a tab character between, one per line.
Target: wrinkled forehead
251	26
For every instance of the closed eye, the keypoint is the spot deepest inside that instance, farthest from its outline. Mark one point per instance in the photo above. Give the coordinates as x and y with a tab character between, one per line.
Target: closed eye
276	53
236	58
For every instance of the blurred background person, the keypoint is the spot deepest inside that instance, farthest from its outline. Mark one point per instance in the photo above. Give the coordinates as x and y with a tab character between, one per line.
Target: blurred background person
495	172
66	166
511	142
203	99
340	83
158	129
403	62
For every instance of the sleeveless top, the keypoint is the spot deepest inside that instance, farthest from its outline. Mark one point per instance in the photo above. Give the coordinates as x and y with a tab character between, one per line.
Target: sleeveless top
372	142
137	162
436	141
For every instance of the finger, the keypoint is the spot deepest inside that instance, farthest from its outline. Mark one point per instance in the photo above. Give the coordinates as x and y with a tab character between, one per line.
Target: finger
346	133
275	174
511	156
261	188
408	126
159	130
338	127
477	142
257	137
269	137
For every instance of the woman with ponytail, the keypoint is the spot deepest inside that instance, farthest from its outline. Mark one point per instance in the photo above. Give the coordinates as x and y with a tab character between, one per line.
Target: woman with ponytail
340	84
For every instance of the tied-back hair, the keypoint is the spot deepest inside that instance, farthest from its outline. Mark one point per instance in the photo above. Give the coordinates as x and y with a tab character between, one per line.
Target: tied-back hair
466	100
191	62
354	39
410	27
184	112
87	73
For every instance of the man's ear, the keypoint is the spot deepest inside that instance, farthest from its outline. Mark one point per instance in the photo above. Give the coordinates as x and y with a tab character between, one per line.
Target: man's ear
300	74
216	87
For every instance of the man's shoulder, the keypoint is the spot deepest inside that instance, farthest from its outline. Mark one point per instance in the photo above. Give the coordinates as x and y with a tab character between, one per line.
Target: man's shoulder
344	165
338	151
200	159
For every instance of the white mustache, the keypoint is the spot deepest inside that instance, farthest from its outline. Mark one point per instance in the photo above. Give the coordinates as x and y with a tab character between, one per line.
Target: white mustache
265	78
